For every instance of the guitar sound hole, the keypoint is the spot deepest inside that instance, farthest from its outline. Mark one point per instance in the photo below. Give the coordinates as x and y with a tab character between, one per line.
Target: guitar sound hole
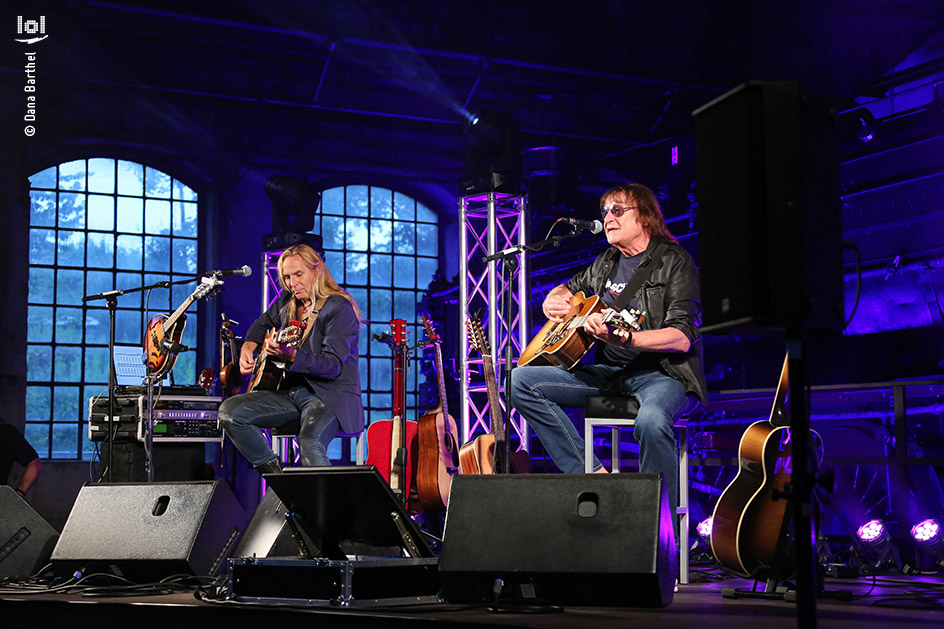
587	504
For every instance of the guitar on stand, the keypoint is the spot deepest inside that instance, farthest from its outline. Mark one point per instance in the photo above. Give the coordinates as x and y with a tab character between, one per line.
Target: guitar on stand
486	453
163	334
392	443
231	380
438	445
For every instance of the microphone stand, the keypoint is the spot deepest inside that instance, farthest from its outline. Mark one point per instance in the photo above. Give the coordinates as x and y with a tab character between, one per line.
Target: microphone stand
510	264
111	300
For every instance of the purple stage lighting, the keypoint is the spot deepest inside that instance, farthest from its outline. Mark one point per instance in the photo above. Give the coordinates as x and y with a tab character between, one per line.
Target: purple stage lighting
926	531
871	531
704	527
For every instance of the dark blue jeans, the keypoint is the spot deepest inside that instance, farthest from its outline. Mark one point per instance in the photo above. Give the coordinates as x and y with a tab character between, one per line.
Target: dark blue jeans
242	417
539	393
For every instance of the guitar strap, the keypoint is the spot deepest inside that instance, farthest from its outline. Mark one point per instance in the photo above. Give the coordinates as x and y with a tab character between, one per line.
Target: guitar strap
312	315
640	276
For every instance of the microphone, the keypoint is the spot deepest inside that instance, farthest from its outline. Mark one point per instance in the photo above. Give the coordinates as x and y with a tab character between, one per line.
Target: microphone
594	227
244	270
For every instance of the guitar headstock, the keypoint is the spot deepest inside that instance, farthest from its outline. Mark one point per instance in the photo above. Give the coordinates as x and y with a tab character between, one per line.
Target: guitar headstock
207	379
430	330
398	329
207	287
477	339
292	333
226	330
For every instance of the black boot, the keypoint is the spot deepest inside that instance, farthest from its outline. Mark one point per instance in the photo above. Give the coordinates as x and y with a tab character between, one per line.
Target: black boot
270	467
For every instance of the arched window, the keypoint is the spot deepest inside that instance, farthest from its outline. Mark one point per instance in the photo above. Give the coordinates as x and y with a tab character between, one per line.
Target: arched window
97	225
383	247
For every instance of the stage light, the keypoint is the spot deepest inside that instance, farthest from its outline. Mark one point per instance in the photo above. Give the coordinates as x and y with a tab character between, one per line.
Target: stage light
493	153
872	532
293	203
704	528
926	531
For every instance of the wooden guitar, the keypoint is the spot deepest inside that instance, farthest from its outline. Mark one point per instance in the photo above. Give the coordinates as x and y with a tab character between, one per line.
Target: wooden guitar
563	343
231	380
268	372
748	521
165	331
392	443
486	453
438	446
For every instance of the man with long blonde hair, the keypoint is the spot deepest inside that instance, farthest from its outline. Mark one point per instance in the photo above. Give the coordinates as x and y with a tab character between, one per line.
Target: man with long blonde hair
321	387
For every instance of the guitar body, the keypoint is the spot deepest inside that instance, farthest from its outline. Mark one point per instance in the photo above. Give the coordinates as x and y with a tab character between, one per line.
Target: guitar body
564	343
382	439
160	362
478	457
268	372
747	520
438	460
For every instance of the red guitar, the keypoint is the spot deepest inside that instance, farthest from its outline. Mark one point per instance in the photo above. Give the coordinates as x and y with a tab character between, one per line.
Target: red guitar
391	443
486	453
438	446
163	330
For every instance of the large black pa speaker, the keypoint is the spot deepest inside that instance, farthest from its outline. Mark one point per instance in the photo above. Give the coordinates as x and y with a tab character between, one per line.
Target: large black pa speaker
26	539
268	533
769	210
571	539
148	531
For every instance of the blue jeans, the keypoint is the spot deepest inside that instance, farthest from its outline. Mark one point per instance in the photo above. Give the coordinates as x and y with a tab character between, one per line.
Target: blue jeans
242	417
539	392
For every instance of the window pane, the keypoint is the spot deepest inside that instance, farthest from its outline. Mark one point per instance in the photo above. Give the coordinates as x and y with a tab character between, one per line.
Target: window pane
381	303
156	253
380	267
96	364
70	286
356	234
427	240
425	270
38	437
185	219
101	212
72	175
42	208
381	205
99	282
128	330
425	214
72	210
185	256
101	175
130	215
40	285
333	232
157	217
130	178
71	249
38	404
68	325
101	250
404	305
356	268
403	272
404	237
403	207
157	184
66	404
183	193
68	364
64	441
181	292
130	249
380	235
130	280
42	246
357	201
44	179
332	201
38	363
38	328
96	327
380	374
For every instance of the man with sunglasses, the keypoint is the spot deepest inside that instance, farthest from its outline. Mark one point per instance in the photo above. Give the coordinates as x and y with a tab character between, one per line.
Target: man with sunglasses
660	365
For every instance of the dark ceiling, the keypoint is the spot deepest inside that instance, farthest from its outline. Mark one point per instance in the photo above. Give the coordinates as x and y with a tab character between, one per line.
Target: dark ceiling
606	73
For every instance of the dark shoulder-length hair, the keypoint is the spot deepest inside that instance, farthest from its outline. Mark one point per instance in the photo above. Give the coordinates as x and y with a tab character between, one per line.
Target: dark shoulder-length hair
649	213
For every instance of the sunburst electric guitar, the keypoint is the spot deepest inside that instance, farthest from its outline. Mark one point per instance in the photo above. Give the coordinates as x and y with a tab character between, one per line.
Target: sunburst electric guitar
164	332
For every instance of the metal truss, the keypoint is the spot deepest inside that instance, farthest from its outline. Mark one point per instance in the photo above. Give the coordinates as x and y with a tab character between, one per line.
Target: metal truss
491	223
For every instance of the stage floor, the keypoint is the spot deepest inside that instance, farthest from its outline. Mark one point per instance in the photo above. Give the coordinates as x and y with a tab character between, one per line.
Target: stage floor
891	602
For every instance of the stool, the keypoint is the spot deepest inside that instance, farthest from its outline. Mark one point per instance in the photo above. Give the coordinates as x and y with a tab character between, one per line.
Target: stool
618	412
283	436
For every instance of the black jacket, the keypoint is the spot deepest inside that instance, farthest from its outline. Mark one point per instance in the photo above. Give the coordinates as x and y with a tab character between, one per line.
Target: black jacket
670	297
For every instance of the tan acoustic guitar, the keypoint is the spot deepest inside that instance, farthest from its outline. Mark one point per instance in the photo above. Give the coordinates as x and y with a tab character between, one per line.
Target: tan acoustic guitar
268	372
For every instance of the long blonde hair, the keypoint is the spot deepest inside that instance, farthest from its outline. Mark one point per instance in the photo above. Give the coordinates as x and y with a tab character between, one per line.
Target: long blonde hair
323	285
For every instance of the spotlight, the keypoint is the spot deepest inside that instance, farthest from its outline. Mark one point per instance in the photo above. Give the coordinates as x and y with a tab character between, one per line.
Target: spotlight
293	203
493	153
704	528
872	532
929	534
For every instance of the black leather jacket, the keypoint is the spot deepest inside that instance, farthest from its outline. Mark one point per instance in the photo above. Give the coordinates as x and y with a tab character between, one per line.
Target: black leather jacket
670	297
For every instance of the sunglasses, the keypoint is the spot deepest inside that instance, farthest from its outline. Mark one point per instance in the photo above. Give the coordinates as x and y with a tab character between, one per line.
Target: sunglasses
617	210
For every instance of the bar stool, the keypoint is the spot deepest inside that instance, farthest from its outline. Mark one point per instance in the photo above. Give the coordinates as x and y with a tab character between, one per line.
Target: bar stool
618	412
283	440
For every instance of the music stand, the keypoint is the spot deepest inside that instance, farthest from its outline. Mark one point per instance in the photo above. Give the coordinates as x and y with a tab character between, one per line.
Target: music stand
342	507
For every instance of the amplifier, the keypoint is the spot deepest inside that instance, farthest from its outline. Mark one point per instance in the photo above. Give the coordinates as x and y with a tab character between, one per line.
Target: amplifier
177	418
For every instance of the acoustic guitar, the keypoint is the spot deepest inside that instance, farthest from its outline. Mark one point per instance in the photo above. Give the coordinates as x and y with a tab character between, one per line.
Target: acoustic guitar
231	380
748	521
438	445
268	372
392	443
486	453
563	343
164	332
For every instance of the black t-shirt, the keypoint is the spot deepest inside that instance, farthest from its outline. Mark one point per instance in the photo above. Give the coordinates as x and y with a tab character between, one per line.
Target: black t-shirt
623	270
13	447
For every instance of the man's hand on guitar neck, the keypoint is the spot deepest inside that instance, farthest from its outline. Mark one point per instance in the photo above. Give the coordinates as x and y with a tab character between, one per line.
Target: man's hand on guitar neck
557	303
596	328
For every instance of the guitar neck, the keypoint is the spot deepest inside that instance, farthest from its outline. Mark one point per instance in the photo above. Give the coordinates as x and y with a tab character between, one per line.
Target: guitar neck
443	402
171	321
494	408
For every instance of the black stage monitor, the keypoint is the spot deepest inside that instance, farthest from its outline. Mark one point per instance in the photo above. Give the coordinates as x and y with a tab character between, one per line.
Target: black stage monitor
347	510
